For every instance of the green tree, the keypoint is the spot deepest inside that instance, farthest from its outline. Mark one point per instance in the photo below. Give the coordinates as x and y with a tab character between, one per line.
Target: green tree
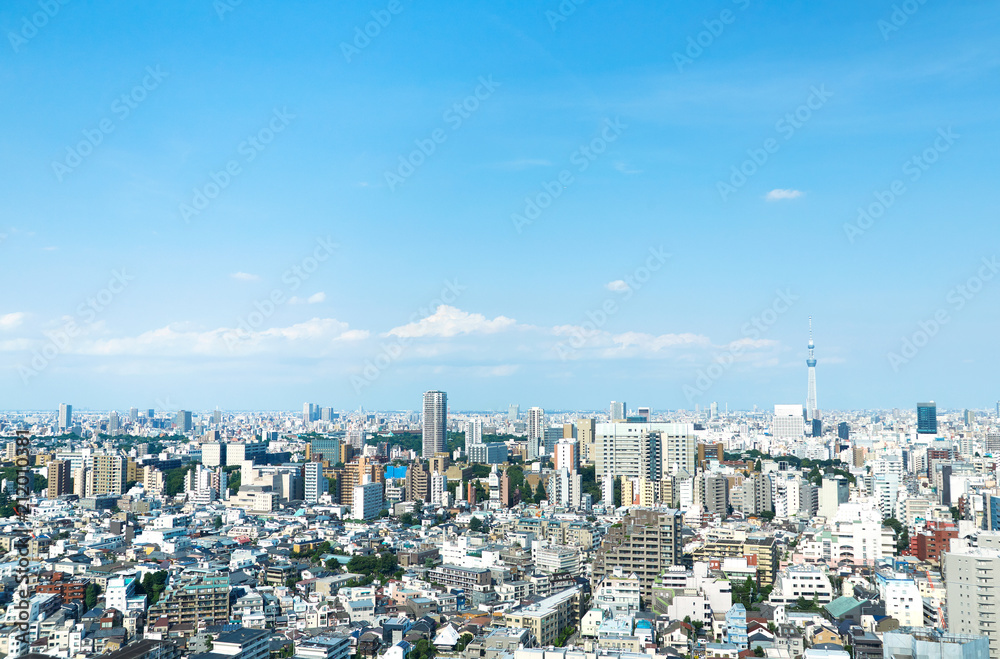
90	594
758	651
618	492
757	467
476	525
539	493
153	584
217	522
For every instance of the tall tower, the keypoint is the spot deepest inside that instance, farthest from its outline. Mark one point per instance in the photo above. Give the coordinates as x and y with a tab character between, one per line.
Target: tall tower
811	363
435	423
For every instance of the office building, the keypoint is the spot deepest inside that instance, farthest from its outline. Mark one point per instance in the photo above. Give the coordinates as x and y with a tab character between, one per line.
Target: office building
927	419
435	426
59	478
114	424
617	412
491	454
65	416
514	411
183	421
788	422
834	491
585	436
213	454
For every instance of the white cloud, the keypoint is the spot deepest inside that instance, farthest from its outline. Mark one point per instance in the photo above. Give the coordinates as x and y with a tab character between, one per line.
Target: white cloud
11	320
308	338
625	169
524	163
447	321
618	285
244	276
778	194
315	298
654	343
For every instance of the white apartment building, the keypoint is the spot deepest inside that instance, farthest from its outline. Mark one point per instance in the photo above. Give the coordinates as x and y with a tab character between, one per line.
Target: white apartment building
902	598
973	589
619	593
805	581
366	501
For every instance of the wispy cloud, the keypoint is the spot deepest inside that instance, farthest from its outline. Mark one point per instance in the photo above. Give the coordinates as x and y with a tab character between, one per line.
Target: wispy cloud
779	194
244	276
524	163
11	320
315	298
624	168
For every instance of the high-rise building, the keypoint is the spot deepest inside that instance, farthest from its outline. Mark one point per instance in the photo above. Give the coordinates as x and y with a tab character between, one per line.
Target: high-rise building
646	543
133	415
585	436
812	411
567	455
972	589
536	432
310	412
366	500
643	413
927	418
316	483
515	410
59	478
108	474
843	431
473	433
435	436
214	454
713	411
114	425
217	417
970	417
183	421
65	416
645	450
617	411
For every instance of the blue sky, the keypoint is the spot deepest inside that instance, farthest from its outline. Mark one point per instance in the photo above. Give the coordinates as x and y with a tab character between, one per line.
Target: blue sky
365	328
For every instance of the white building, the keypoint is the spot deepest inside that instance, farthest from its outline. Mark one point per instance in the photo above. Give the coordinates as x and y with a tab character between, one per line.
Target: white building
805	581
366	500
788	422
902	598
619	593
